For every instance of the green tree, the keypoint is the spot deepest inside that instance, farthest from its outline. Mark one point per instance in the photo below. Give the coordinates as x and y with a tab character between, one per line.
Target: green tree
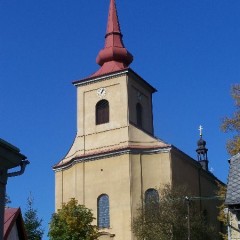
233	124
32	223
173	217
222	217
72	222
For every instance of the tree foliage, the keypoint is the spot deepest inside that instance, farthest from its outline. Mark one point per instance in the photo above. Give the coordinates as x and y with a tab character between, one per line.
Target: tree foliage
232	124
33	224
72	222
168	218
7	200
222	217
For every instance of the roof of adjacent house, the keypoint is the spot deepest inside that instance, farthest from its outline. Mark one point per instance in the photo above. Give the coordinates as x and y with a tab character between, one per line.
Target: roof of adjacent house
233	186
12	216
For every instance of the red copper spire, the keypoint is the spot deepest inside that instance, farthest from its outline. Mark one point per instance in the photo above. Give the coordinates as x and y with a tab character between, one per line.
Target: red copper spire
114	56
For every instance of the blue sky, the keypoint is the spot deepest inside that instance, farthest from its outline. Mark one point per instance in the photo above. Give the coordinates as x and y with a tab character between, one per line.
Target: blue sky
188	50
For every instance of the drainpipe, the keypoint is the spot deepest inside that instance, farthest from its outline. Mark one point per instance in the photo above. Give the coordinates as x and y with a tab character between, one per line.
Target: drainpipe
10	157
187	199
23	165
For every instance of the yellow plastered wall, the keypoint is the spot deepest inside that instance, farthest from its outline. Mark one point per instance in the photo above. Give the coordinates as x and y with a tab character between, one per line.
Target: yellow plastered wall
104	176
138	93
87	98
148	171
187	172
124	178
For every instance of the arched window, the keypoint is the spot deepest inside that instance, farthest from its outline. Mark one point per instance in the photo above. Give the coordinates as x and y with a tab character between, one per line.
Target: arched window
102	112
151	196
103	217
151	204
139	114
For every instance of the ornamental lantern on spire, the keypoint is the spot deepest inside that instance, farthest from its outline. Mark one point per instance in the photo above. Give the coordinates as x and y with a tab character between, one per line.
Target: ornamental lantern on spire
202	151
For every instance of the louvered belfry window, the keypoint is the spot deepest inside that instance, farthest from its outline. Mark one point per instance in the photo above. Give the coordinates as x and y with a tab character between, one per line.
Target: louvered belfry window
102	112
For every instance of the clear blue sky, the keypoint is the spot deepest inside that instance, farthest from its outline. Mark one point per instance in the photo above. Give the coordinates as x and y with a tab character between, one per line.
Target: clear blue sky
188	50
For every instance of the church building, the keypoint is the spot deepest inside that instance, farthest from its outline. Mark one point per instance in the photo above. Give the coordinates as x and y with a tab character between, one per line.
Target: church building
115	161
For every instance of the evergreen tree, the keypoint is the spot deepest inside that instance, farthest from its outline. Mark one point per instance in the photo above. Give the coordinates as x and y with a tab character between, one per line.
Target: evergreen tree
32	223
222	217
72	222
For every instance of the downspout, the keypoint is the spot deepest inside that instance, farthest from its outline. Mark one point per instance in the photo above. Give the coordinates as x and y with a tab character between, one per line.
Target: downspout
142	197
23	165
141	169
84	145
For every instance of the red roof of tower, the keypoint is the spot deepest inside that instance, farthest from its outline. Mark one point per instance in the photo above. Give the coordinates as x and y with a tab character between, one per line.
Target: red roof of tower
114	56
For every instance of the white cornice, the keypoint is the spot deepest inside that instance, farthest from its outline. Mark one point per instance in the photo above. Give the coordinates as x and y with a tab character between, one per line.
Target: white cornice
97	79
111	154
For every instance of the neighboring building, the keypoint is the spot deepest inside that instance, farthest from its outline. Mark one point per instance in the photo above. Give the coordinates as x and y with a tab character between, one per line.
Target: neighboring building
233	198
116	162
13	225
10	158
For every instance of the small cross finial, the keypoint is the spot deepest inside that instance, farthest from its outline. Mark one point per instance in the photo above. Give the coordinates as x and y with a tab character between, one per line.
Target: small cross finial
200	130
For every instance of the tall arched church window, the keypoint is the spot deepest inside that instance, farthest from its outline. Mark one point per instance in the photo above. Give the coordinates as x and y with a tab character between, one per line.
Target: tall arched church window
151	203
103	217
102	112
139	114
151	196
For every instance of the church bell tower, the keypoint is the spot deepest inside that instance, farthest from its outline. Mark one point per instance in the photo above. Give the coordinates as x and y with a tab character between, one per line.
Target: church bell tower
104	168
114	104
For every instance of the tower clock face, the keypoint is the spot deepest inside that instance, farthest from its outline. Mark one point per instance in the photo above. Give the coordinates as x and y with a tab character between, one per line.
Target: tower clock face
101	92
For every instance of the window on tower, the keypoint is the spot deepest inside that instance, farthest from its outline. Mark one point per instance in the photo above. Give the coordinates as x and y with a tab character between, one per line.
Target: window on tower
102	112
151	196
103	218
139	114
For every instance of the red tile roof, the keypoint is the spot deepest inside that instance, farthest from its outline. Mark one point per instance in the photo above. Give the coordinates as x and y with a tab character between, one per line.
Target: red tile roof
11	216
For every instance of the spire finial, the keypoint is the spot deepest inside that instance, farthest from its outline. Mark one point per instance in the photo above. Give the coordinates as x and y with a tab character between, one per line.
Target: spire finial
113	26
200	130
114	56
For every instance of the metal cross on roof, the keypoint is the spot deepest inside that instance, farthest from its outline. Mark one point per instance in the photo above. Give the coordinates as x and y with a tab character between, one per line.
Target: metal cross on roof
200	130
